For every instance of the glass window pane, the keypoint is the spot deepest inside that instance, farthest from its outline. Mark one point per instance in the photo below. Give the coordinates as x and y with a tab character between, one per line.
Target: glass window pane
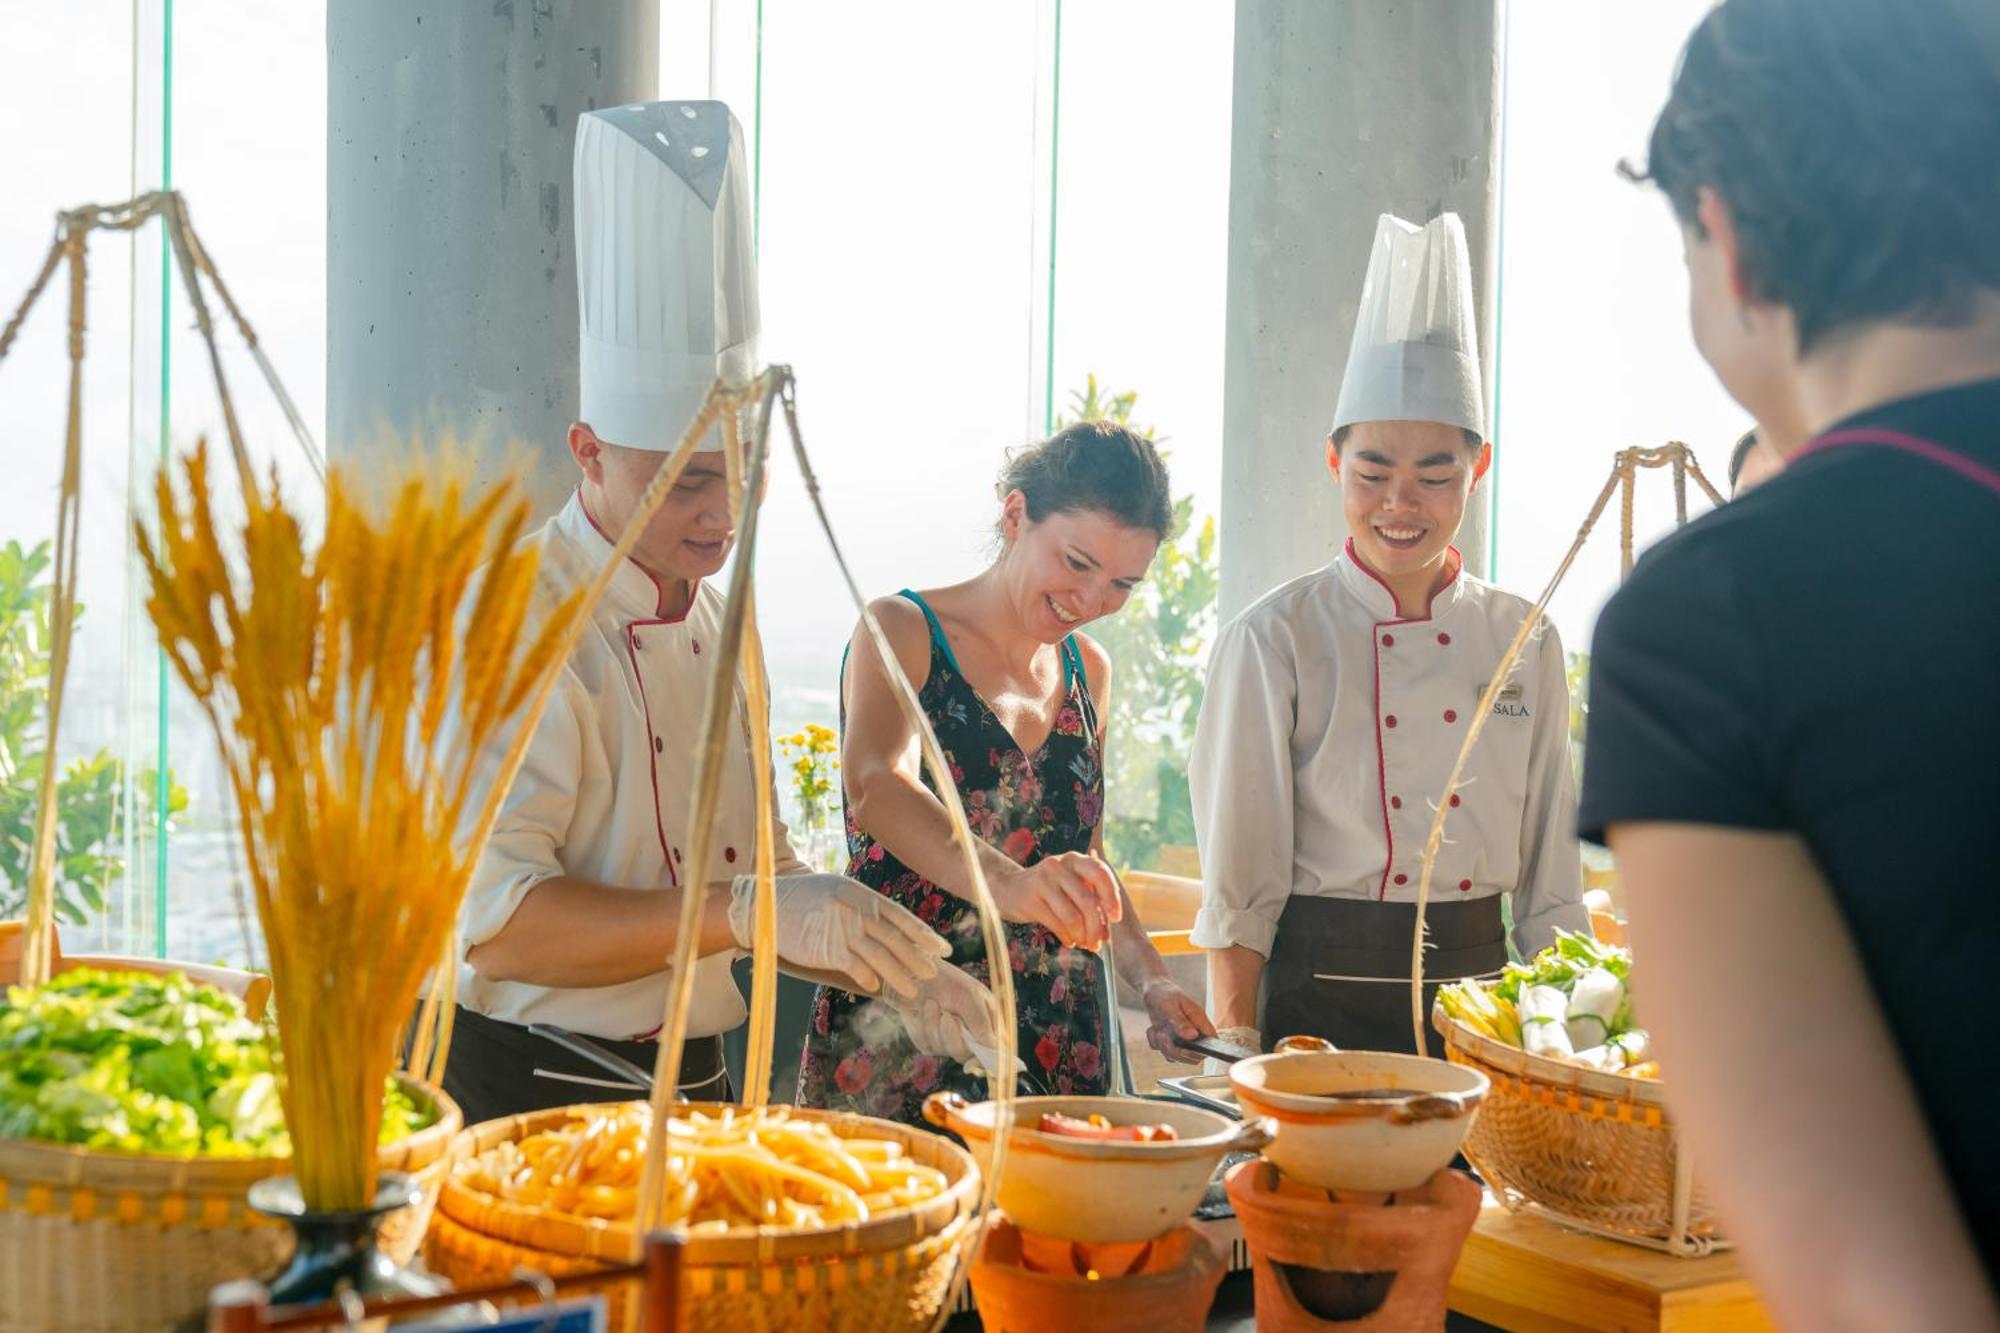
1141	285
1595	354
897	210
75	148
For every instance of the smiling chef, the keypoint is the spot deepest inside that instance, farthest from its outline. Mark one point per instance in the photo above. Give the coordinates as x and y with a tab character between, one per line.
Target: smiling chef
1337	704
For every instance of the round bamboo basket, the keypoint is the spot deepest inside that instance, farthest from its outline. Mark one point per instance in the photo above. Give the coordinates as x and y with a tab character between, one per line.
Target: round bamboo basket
114	1241
1595	1150
889	1273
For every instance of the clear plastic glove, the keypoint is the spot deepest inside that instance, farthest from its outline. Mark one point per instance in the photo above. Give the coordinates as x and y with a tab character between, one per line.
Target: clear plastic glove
949	1016
1250	1039
1174	1017
828	923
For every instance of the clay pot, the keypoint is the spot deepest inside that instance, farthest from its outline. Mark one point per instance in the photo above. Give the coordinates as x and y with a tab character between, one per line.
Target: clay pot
1405	1124
1168	1285
1096	1191
1322	1263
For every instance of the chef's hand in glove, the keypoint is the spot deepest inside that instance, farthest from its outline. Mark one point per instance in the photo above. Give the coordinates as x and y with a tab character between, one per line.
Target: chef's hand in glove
828	923
1174	1014
1074	894
1250	1039
949	1015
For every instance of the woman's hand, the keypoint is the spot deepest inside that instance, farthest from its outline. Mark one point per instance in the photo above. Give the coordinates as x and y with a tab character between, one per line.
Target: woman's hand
1175	1018
1073	894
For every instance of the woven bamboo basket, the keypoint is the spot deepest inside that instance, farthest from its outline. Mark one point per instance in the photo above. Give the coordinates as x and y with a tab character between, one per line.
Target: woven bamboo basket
114	1241
887	1274
1588	1149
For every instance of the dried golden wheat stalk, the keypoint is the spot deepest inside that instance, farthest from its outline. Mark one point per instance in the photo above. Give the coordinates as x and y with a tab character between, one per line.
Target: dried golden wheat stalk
352	690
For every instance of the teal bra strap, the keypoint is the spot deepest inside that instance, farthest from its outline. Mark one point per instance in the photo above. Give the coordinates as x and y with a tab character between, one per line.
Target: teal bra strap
937	630
1080	681
1072	656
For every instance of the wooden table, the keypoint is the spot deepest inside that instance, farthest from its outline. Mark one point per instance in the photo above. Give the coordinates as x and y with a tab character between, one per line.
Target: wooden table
1167	904
1522	1273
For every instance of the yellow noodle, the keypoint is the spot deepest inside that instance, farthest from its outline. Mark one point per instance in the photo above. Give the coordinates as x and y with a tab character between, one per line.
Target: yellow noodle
760	1168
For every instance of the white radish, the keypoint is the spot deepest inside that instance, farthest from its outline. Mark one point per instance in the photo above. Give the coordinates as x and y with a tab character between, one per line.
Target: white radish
1606	1058
1593	1002
1542	1031
1636	1043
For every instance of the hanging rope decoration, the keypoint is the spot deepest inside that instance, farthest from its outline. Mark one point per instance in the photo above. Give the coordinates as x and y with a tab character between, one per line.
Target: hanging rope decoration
756	702
1000	1080
739	666
1625	468
73	228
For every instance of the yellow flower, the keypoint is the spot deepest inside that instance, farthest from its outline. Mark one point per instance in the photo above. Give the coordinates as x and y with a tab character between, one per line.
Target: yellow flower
810	754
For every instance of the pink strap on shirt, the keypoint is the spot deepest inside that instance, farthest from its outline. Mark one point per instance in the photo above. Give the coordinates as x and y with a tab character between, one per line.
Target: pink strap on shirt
1971	469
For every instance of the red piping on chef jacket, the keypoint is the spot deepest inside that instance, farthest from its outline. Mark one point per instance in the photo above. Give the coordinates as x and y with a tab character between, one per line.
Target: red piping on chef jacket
645	705
658	593
652	745
1381	760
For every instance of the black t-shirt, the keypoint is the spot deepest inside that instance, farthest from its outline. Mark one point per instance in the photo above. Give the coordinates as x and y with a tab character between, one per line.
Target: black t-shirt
1823	657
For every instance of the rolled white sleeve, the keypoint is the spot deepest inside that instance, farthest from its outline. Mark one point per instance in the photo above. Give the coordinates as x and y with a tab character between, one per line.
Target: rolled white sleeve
1549	894
534	819
1240	776
785	860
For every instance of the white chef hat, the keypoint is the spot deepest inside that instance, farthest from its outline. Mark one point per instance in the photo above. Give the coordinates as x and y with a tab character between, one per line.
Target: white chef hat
666	269
1415	355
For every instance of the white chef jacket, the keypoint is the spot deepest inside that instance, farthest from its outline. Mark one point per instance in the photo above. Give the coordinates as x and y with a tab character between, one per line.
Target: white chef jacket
603	792
1329	727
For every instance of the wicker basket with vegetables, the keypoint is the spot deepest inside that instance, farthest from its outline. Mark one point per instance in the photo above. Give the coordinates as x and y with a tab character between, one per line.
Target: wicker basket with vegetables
135	1111
1576	1125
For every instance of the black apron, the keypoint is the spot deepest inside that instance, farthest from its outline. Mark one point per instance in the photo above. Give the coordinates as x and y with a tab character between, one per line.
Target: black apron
499	1069
1340	968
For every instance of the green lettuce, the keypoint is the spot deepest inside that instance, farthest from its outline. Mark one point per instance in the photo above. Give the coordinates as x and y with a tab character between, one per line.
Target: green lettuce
1562	963
144	1063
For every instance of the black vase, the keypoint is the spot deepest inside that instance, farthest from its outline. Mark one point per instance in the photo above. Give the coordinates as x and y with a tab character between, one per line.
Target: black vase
338	1249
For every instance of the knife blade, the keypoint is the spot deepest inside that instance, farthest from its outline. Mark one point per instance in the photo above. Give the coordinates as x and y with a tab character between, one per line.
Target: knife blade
594	1053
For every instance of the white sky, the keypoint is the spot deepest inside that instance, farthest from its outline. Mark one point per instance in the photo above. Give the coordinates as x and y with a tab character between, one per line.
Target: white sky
904	265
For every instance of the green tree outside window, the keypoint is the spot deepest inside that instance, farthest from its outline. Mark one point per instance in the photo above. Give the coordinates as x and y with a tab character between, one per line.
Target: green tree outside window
1159	652
90	830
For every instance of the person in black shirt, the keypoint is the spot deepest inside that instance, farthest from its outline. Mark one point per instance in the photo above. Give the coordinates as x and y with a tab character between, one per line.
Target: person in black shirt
1794	743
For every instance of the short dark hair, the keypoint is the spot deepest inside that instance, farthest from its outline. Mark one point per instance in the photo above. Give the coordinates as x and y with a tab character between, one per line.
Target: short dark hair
1857	145
1099	466
1740	454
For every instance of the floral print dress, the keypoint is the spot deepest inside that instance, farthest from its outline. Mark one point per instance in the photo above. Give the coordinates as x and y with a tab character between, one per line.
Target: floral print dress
857	1056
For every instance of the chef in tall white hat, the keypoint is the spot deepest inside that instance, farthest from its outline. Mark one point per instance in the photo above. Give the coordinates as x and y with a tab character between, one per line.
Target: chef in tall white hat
574	907
1337	704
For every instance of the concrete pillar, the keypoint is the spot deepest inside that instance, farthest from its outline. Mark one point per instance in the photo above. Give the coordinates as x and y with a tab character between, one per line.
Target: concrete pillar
1344	109
451	283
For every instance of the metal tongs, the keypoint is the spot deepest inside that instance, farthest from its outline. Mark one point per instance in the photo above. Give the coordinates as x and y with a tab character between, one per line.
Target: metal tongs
1215	1048
632	1076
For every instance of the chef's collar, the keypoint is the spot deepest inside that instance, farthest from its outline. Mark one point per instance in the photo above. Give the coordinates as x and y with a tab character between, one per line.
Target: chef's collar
634	594
1365	586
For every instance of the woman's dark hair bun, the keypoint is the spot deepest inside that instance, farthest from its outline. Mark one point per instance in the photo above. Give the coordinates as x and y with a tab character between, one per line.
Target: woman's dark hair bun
1097	466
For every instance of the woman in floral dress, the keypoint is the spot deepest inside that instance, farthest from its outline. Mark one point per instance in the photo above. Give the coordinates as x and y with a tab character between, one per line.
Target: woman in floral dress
1017	698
